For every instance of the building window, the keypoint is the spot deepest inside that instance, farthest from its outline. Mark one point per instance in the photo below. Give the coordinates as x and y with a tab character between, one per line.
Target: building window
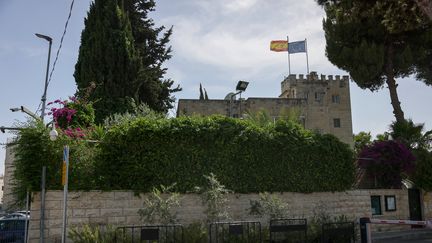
336	122
336	99
376	205
319	96
390	203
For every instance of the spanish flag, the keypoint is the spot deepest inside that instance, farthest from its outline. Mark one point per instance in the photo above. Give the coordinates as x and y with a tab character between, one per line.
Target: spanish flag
279	45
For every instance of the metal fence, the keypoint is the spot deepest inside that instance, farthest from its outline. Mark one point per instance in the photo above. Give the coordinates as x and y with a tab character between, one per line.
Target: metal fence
235	232
288	230
338	232
150	233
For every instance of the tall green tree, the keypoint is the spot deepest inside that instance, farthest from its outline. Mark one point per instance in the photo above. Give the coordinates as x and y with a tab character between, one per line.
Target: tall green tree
121	58
151	43
377	41
108	64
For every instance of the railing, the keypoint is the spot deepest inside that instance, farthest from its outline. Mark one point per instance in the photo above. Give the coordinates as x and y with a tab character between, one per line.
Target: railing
288	230
150	233
338	232
235	232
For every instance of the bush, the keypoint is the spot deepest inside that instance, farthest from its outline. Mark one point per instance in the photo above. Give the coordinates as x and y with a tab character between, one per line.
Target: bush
159	205
89	233
145	153
387	162
245	157
33	149
423	173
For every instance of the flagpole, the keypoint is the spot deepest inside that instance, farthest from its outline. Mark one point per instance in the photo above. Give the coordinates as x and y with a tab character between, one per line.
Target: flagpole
289	62
307	58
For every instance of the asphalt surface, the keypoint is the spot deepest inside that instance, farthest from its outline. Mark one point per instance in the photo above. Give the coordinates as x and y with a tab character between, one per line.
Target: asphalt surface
424	240
414	236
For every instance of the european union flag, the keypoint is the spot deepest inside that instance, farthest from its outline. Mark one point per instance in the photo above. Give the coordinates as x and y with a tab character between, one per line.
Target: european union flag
296	47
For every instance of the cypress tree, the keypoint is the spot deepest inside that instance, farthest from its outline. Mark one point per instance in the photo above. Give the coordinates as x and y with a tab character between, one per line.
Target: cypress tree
201	97
377	41
108	65
151	43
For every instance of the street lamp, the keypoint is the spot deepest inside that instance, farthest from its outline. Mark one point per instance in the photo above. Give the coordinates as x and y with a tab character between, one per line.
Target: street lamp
3	129
49	39
241	87
25	110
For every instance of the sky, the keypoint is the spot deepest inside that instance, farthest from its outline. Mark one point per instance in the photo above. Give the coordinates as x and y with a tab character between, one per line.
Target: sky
215	42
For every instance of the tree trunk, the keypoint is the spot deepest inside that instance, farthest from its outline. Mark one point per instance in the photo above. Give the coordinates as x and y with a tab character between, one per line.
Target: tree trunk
392	86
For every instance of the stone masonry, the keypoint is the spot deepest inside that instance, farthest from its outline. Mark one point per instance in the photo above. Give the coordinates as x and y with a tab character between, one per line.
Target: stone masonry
121	208
8	198
323	104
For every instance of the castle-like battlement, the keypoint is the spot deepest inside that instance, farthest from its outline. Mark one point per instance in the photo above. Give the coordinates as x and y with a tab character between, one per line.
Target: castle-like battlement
313	76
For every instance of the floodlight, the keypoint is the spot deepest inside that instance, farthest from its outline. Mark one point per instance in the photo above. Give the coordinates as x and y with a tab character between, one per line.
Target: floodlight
242	85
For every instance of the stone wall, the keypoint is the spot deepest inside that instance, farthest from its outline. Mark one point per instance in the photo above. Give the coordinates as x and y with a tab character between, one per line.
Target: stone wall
8	198
121	208
427	205
319	100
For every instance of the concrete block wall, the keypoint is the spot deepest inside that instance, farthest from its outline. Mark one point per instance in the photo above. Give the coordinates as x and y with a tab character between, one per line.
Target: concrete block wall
121	208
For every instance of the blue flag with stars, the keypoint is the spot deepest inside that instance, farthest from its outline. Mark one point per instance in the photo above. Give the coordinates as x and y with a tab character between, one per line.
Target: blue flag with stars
296	47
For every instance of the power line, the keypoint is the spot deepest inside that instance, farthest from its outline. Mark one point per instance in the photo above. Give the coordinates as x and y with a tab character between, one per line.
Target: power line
61	41
37	109
58	50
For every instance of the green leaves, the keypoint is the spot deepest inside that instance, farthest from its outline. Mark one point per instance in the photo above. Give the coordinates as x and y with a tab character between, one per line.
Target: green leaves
246	158
146	152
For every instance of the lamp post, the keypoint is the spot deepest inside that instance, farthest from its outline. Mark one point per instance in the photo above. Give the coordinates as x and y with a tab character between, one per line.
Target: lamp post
49	39
25	110
241	87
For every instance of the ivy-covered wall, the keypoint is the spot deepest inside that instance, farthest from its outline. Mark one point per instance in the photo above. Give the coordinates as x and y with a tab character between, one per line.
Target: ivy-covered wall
143	153
245	157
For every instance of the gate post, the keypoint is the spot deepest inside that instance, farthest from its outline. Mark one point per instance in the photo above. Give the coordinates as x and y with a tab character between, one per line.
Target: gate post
364	230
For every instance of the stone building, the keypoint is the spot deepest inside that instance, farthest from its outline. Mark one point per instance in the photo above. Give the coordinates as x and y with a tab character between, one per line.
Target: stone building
323	103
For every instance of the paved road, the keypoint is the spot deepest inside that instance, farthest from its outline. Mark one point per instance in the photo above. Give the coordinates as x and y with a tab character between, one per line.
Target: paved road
428	240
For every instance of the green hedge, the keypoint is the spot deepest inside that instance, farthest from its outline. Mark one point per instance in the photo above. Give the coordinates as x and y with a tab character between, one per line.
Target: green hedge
144	153
245	157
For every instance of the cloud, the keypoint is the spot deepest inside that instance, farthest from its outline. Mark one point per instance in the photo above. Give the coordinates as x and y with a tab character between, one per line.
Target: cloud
239	40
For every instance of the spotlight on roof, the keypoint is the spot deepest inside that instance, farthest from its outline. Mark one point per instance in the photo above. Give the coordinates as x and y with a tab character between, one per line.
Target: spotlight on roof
242	85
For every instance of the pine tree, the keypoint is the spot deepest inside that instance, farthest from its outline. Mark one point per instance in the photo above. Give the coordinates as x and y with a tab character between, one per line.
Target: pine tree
108	65
151	43
377	41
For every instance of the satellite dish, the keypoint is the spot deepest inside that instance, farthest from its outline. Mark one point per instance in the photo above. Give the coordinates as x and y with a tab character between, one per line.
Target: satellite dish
230	96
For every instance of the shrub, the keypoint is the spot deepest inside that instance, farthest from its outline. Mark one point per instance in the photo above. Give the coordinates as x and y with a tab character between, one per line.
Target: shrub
72	113
423	172
147	152
387	162
214	197
33	149
269	205
246	158
89	233
158	206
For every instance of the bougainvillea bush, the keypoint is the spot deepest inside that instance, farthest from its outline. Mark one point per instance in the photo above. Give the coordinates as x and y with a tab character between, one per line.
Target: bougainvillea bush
387	162
72	113
72	116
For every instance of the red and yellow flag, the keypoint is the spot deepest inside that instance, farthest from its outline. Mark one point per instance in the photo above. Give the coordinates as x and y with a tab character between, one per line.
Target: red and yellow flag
279	45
